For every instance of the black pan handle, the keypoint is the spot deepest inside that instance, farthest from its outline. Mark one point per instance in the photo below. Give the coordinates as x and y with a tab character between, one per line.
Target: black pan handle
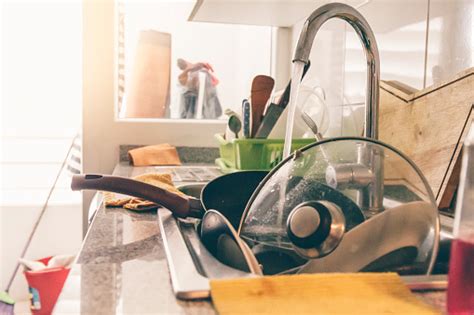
179	205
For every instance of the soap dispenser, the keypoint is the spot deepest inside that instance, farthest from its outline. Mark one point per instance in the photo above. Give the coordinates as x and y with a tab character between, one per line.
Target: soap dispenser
461	267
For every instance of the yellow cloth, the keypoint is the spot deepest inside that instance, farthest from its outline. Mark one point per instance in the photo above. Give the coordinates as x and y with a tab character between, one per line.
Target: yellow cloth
337	293
160	180
160	154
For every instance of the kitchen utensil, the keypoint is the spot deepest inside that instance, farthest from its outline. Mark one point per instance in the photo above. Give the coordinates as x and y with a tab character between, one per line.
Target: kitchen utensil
271	116
221	239
315	228
228	193
315	130
312	125
274	111
311	101
361	248
229	134
285	97
230	112
235	125
338	293
262	87
240	154
361	173
247	119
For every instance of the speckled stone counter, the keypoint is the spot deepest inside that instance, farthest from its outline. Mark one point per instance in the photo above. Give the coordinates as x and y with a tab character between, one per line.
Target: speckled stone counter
122	268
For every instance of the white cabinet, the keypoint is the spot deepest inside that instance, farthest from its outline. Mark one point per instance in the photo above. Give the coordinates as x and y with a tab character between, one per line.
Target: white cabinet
281	13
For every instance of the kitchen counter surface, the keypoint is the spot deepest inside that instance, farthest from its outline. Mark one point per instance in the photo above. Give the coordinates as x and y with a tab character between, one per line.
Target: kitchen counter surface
122	268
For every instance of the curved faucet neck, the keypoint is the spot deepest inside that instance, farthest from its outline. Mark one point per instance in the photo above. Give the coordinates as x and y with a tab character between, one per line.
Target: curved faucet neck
362	28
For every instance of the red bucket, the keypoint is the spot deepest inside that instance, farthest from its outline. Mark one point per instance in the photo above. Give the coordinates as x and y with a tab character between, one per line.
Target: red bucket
45	286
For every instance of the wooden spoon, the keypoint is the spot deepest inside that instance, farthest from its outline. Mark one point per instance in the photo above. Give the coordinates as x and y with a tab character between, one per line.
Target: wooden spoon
262	87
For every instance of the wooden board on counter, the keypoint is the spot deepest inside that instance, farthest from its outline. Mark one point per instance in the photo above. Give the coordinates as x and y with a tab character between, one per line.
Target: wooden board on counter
429	126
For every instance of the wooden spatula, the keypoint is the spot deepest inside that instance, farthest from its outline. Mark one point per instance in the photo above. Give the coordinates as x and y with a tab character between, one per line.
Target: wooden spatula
262	87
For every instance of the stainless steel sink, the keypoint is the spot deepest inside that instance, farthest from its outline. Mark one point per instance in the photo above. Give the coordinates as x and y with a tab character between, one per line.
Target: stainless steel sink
192	266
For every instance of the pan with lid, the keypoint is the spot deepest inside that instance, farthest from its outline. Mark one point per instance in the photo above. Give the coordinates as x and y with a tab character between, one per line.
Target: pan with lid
341	200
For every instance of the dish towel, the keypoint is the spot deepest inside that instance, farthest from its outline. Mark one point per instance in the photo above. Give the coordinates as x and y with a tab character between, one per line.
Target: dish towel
137	204
160	154
336	293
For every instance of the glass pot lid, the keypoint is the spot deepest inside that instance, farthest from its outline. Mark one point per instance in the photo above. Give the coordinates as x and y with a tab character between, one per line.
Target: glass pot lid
344	204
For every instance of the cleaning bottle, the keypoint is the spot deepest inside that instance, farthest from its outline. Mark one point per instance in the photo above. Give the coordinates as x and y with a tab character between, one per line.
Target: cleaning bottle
461	267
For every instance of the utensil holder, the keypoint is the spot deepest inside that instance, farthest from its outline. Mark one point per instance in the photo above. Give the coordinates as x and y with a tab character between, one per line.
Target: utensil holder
253	154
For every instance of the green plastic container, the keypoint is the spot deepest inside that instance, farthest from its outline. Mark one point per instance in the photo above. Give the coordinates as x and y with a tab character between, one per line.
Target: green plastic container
253	154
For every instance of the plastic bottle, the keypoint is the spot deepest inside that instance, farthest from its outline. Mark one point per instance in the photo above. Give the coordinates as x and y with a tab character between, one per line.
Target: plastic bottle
461	267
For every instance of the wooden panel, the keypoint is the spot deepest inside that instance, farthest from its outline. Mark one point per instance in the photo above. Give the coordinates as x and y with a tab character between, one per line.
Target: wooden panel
451	180
429	126
149	86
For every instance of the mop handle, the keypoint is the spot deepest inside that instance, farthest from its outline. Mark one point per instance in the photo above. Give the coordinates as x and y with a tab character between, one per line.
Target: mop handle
40	216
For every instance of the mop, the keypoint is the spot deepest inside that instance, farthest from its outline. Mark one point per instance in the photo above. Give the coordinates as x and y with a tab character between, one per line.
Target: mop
6	301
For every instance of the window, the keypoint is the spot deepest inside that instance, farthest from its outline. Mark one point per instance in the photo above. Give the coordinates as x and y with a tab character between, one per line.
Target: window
217	62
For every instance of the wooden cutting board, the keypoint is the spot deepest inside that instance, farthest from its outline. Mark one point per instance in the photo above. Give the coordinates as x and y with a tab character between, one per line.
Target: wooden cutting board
429	126
324	293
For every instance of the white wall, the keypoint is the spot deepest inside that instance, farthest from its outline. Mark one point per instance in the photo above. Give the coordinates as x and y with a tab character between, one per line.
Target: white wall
40	114
450	46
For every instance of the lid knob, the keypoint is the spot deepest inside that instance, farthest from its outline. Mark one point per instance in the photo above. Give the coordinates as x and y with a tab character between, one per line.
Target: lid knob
315	228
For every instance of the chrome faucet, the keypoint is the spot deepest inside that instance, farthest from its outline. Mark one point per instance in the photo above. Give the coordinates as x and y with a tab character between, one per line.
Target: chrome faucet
366	174
362	28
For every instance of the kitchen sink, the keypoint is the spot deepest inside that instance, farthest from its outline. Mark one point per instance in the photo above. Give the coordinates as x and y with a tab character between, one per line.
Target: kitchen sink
192	265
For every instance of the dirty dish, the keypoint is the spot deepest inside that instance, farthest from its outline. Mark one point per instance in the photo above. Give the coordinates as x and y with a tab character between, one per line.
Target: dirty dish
228	193
221	239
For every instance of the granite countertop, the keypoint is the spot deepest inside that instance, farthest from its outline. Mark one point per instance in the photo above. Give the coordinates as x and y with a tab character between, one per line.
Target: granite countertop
122	267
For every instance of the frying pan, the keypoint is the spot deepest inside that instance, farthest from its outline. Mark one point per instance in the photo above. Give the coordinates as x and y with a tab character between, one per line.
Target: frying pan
228	193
